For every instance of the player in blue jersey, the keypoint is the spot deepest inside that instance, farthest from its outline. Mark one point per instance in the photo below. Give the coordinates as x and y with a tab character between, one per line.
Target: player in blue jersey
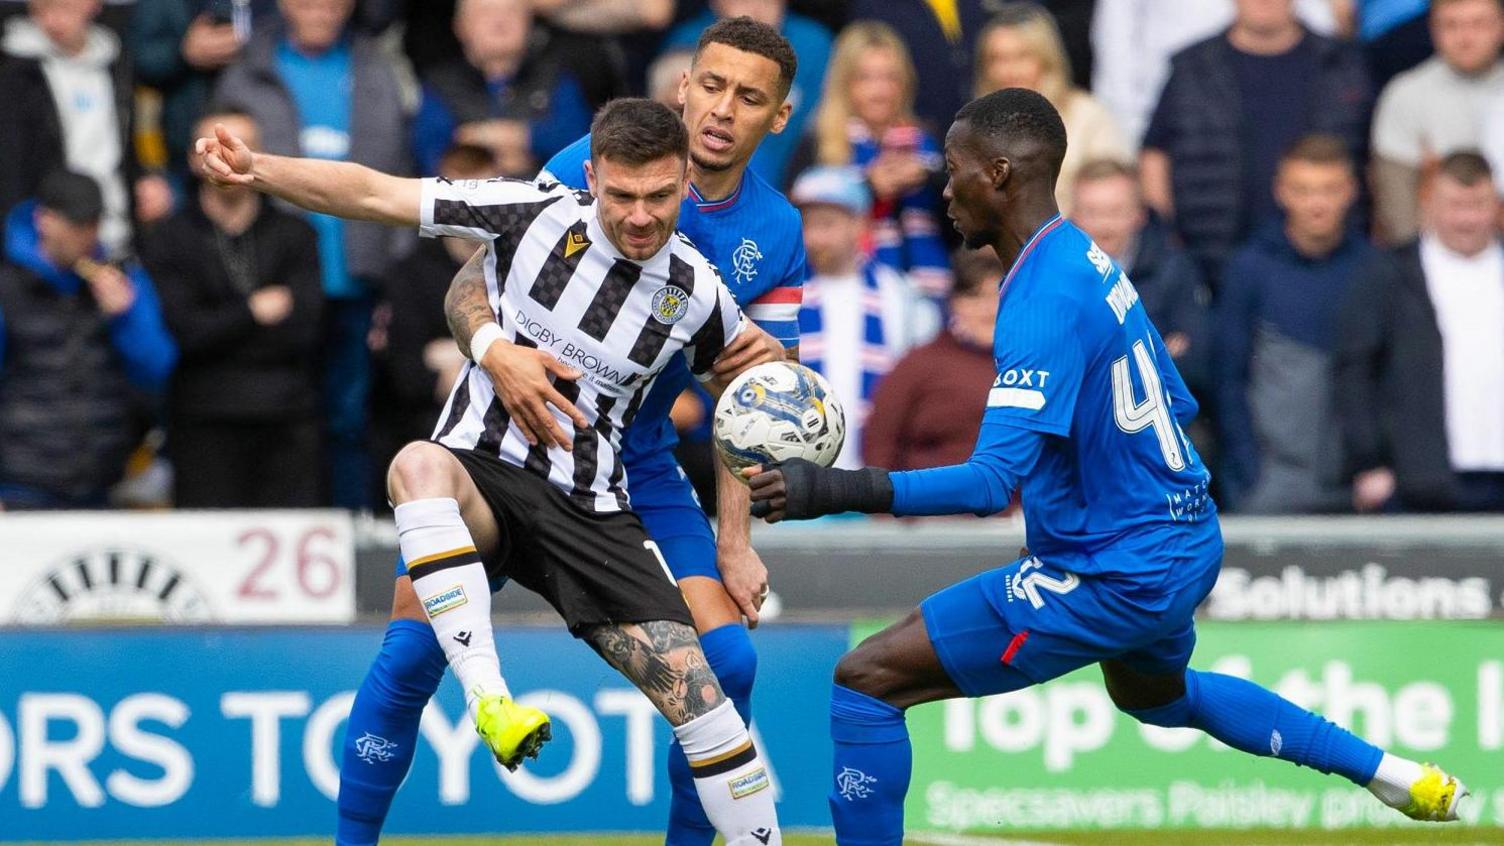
733	97
1086	413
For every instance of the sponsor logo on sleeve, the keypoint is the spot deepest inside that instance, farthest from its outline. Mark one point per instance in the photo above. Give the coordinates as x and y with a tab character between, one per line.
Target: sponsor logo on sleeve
746	785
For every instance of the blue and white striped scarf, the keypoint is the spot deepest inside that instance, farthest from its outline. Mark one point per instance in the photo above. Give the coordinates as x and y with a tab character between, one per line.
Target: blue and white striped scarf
875	357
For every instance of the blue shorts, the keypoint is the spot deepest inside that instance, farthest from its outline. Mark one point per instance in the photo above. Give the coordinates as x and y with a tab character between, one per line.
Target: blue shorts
1029	622
665	500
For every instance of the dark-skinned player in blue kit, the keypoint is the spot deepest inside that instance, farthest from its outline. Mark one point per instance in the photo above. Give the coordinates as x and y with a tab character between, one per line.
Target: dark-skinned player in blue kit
1124	542
733	96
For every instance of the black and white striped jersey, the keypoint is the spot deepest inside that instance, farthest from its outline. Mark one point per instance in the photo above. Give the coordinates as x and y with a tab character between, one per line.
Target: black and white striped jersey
557	283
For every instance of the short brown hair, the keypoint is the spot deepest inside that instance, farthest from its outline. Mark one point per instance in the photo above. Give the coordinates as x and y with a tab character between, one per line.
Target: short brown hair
1466	167
636	130
756	37
1319	149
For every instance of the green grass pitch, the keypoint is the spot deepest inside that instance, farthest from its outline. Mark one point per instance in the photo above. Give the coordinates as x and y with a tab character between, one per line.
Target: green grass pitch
1370	837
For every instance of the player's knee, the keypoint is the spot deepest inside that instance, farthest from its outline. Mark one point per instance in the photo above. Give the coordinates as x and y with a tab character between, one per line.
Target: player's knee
420	469
865	670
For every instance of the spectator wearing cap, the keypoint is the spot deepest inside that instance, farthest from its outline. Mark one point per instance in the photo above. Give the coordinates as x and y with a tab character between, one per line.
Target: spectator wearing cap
811	42
1439	107
80	342
239	281
928	410
858	316
1276	331
69	89
316	88
1420	357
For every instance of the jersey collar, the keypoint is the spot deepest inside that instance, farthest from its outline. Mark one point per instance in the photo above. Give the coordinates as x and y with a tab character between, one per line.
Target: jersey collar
1049	226
727	202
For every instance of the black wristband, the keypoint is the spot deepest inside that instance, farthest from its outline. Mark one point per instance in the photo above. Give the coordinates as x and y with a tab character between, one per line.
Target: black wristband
814	491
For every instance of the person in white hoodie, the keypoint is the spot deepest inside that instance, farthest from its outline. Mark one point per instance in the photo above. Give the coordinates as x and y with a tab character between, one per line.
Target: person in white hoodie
71	97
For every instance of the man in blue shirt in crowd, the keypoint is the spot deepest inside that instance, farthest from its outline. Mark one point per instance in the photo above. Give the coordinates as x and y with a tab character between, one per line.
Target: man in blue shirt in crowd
734	95
1086	414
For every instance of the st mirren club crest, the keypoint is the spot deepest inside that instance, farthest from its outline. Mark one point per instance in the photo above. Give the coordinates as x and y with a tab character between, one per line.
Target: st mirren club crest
744	261
670	304
112	583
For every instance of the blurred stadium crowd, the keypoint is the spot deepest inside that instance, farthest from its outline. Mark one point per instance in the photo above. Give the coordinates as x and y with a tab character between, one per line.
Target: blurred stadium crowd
1303	192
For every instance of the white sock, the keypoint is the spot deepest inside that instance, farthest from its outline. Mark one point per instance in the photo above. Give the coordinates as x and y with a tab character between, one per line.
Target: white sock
733	784
451	583
1391	782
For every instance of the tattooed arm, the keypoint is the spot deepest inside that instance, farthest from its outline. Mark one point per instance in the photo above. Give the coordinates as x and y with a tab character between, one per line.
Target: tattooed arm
523	377
663	659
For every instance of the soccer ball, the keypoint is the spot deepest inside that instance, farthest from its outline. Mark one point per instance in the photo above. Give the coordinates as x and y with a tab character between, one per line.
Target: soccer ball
775	412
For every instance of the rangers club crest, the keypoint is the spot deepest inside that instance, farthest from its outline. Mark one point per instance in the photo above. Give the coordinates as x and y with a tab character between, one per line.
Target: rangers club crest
744	261
670	304
372	748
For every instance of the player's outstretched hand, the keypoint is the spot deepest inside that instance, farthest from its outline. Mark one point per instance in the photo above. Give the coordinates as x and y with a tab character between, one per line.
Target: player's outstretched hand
224	159
751	347
799	489
523	378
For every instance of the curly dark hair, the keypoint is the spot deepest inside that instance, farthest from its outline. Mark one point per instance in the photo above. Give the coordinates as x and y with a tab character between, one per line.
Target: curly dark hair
755	37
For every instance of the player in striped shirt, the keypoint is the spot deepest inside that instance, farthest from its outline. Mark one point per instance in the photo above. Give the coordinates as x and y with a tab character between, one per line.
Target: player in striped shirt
601	280
735	93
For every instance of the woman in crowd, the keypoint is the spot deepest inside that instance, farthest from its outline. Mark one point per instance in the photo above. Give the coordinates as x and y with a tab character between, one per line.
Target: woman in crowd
866	118
1021	48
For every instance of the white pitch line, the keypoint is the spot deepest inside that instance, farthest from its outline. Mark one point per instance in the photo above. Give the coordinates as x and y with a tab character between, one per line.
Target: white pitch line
942	838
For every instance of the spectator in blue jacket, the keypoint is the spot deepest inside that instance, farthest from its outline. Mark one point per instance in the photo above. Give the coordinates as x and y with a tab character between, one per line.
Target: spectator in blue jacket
80	342
811	42
1233	104
1277	334
522	104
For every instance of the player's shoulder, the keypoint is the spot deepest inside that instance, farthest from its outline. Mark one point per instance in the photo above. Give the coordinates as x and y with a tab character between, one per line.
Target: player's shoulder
706	274
1071	278
568	165
771	204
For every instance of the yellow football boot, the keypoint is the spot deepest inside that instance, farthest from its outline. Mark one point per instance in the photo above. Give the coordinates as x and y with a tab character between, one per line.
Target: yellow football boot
1434	796
511	731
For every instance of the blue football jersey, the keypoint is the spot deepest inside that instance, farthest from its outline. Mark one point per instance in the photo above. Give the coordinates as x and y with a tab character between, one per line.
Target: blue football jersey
1079	361
756	239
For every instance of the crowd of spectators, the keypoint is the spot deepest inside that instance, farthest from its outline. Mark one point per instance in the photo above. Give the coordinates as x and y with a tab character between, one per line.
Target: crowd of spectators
1304	192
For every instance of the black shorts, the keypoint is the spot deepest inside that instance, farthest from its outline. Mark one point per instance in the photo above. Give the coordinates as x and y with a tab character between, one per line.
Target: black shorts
592	568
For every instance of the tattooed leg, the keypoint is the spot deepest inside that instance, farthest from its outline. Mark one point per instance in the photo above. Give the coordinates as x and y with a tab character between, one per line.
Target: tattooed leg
664	660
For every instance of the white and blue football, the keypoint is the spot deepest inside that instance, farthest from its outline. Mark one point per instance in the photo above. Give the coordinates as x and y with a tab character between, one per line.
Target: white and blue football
775	412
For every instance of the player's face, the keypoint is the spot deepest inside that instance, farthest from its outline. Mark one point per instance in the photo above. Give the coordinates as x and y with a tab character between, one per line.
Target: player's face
970	188
1109	211
638	204
731	101
1009	62
1464	217
1315	197
1468	33
316	24
877	88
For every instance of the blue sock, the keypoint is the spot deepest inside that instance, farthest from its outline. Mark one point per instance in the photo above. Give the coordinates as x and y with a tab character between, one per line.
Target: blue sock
872	767
1258	721
728	650
383	728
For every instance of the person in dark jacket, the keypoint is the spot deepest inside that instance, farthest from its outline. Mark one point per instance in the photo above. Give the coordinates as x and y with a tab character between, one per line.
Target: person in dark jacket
1420	357
415	359
239	281
1276	331
80	343
69	90
1108	206
318	88
1232	106
519	101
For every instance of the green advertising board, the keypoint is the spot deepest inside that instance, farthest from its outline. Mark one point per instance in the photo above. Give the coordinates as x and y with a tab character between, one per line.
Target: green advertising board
1060	757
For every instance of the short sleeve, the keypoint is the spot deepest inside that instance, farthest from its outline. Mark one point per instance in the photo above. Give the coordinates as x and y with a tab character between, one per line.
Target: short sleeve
481	209
1041	362
721	327
776	311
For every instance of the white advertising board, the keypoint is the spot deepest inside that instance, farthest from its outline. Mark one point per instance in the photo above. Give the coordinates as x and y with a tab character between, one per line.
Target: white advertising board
179	567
